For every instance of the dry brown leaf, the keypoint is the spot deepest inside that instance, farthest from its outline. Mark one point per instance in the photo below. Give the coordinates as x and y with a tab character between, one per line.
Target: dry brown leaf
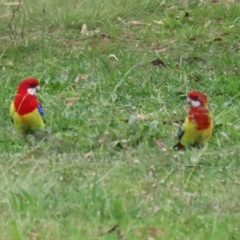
77	78
218	39
160	144
117	145
159	22
192	39
113	56
88	154
93	32
160	49
158	62
150	232
69	104
167	41
104	35
154	232
112	229
121	20
82	76
9	63
116	228
168	121
219	19
66	42
121	235
70	101
141	117
136	22
34	236
13	3
84	30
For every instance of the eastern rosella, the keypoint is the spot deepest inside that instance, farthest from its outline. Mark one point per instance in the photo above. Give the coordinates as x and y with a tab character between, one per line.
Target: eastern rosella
26	112
198	125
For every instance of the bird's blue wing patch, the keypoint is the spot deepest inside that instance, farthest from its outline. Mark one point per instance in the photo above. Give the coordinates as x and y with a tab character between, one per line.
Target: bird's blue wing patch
41	110
180	132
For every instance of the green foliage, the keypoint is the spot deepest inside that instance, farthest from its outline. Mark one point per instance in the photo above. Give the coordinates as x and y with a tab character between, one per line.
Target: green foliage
106	99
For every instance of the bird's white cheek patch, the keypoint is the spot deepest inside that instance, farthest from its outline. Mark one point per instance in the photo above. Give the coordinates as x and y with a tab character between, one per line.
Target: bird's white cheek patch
32	91
195	103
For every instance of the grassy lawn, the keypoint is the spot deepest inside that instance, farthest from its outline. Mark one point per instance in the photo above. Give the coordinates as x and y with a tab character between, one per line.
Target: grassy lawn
114	76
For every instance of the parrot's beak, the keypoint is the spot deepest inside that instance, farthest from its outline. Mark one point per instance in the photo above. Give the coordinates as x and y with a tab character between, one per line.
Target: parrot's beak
32	91
189	100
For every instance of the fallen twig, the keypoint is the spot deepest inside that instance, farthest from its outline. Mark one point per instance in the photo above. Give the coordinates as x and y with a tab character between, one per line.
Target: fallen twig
12	32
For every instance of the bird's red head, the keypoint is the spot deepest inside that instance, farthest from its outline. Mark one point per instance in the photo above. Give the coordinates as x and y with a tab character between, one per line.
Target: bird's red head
197	99
25	100
29	85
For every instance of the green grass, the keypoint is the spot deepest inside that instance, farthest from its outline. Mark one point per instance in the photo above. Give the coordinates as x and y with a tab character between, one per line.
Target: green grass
100	167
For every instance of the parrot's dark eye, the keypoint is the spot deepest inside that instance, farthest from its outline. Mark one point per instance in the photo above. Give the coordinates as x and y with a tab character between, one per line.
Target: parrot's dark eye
195	97
32	85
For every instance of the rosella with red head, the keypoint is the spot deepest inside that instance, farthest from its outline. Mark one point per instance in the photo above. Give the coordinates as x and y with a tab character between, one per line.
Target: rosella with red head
198	125
26	112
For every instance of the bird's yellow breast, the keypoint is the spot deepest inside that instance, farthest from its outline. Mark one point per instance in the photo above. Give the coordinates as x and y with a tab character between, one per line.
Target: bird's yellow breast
194	137
27	123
